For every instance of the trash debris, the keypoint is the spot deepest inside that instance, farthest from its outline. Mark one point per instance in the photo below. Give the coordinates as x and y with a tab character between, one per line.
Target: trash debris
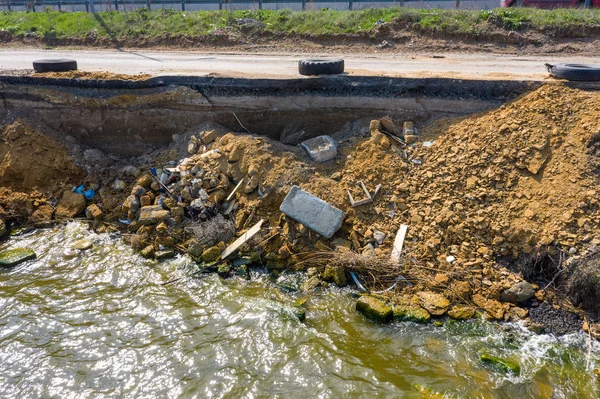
409	129
242	240
450	259
387	126
399	243
358	284
230	196
321	148
427	144
313	212
89	194
366	200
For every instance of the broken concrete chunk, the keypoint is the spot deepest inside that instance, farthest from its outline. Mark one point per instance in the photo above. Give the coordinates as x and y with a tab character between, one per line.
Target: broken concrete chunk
320	149
313	212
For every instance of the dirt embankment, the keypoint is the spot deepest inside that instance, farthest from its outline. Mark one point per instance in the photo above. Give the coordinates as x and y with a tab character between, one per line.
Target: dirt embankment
492	192
395	36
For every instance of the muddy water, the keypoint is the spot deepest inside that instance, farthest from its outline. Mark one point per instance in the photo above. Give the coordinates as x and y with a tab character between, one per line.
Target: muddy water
100	324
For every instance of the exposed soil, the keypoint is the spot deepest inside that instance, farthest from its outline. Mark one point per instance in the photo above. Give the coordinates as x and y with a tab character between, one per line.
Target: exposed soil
386	38
89	75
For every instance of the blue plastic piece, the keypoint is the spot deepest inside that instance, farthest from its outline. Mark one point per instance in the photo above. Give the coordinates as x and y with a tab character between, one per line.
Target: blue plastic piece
89	194
358	284
153	171
80	189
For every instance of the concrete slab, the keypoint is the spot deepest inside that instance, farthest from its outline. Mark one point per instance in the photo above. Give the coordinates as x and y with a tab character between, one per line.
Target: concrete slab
313	212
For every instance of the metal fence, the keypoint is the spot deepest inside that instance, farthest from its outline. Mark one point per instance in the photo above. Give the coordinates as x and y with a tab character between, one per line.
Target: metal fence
94	5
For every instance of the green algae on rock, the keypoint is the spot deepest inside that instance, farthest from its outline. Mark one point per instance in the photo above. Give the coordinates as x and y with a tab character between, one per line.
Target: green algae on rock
501	364
374	309
411	313
13	257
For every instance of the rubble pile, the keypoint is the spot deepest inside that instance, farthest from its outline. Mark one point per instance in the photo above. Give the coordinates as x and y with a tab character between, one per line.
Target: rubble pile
500	184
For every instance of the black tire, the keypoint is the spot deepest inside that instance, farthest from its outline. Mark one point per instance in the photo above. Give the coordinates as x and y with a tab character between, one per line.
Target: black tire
55	65
578	72
326	66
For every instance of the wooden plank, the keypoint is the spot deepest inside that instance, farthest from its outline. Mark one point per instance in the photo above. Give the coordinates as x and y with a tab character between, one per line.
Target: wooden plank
242	239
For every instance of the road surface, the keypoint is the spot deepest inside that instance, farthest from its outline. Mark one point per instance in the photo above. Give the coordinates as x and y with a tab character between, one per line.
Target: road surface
282	66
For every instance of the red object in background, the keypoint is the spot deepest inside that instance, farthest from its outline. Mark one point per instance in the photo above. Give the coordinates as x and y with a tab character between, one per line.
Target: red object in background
549	3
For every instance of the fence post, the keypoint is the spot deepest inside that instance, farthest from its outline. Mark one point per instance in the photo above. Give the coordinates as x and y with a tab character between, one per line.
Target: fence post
148	4
220	4
182	5
8	3
457	4
117	5
59	7
350	5
587	4
303	5
260	4
92	9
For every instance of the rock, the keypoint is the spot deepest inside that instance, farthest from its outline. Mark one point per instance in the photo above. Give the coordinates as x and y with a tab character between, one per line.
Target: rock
374	309
411	313
378	236
555	321
162	228
311	284
70	205
493	308
145	181
138	191
211	254
321	148
312	211
132	204
300	313
461	289
337	274
12	257
519	292
82	245
95	157
224	270
166	254
119	185
42	214
461	312
2	228
153	214
195	249
93	212
147	252
435	304
501	364
208	136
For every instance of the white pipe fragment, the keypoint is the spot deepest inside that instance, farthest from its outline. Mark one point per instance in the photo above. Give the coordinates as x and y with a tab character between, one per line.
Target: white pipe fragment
398	243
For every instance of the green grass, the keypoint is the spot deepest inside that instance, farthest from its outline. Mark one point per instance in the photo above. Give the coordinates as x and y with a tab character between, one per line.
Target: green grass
144	23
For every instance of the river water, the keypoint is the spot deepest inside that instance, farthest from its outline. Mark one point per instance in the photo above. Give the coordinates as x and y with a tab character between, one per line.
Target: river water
102	324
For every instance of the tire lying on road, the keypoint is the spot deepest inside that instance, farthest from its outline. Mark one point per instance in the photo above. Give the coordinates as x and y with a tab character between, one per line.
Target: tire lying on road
325	66
55	65
578	72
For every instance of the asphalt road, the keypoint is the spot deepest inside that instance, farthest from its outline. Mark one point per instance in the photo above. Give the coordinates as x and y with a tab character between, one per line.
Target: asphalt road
157	63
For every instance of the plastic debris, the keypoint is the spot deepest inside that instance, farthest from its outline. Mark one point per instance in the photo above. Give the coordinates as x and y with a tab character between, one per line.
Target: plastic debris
358	284
366	200
89	194
399	243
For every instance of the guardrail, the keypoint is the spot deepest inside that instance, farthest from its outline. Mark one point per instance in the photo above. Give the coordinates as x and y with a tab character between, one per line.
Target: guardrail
90	5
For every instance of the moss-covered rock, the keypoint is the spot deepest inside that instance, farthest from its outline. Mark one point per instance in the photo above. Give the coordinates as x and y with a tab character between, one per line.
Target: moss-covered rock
211	254
310	284
147	252
411	313
336	274
166	254
300	313
374	309
13	257
224	270
500	364
461	312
